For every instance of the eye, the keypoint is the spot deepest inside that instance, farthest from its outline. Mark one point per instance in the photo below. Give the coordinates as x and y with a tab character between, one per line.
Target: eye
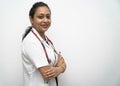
48	16
41	17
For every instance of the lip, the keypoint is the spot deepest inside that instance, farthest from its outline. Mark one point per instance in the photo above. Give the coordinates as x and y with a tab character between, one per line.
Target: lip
44	26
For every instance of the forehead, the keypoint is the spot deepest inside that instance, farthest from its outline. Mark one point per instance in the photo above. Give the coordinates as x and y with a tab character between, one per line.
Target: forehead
42	10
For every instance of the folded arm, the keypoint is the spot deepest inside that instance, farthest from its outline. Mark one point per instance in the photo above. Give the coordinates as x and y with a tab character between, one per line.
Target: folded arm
49	72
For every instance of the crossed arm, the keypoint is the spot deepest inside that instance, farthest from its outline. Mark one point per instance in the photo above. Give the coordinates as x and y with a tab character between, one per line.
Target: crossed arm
48	72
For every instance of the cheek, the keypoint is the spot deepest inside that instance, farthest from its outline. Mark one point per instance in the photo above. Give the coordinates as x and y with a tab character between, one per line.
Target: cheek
37	22
50	22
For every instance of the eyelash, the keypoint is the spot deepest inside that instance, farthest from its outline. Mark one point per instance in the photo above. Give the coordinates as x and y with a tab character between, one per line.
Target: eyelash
41	17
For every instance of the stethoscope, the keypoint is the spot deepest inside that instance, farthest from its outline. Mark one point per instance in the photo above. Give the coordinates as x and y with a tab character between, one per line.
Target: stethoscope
46	54
48	59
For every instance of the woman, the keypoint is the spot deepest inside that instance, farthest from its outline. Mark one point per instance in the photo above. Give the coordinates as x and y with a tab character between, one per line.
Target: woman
41	63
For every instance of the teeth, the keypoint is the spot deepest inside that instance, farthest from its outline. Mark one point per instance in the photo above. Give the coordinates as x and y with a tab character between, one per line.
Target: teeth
44	25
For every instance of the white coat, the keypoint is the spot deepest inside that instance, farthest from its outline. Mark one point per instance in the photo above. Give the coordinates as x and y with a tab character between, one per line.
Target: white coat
34	57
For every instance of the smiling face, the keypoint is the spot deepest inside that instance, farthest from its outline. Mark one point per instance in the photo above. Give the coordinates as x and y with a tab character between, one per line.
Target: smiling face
41	20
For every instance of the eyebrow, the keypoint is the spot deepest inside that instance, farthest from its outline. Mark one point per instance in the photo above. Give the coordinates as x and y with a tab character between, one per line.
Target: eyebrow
45	14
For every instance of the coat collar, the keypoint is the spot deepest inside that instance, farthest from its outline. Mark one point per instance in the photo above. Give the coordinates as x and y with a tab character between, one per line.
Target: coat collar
42	40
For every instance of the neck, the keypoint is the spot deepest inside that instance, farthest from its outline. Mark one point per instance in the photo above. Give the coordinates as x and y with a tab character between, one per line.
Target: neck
42	35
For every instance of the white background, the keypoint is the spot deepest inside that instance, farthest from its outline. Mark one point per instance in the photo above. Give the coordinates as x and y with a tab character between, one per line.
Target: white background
87	32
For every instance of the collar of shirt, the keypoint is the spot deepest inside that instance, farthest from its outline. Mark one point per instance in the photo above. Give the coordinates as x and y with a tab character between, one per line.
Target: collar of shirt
35	31
46	42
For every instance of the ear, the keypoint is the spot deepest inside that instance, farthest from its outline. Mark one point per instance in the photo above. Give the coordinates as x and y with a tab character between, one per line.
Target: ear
31	20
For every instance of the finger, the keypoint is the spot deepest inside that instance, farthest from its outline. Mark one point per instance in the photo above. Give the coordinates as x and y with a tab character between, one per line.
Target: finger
51	75
51	71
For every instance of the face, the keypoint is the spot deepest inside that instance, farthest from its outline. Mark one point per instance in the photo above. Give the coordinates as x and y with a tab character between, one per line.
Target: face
42	19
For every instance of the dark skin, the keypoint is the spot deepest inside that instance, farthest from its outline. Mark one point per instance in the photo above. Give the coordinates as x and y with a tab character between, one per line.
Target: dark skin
49	72
41	22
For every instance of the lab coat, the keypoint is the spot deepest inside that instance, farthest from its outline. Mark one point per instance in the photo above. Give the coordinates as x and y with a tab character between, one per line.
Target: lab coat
33	57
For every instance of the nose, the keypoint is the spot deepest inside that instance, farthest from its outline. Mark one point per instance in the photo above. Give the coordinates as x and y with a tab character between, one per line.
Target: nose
45	19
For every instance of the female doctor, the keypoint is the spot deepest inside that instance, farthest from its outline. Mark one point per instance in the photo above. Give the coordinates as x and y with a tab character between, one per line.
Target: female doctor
41	63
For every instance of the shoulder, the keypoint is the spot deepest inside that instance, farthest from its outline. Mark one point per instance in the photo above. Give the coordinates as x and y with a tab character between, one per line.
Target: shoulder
29	40
30	44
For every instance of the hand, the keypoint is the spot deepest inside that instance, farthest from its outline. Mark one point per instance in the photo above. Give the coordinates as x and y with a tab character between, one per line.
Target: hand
61	63
52	72
49	72
60	60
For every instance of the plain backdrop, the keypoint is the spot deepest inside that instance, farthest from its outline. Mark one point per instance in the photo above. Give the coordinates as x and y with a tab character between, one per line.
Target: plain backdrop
87	32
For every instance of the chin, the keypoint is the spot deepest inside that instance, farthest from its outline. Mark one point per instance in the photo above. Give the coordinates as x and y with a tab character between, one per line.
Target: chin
45	28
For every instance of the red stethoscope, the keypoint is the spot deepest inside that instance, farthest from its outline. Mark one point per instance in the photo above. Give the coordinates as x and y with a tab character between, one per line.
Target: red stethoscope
48	59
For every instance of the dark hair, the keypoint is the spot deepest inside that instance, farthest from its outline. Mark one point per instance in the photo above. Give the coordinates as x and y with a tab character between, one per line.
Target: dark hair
26	32
32	12
35	6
